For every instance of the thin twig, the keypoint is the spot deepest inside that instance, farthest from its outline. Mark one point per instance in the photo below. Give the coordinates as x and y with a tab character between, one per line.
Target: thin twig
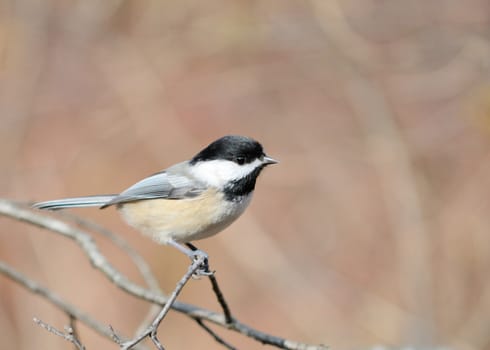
217	291
89	247
68	335
73	328
153	329
221	299
214	335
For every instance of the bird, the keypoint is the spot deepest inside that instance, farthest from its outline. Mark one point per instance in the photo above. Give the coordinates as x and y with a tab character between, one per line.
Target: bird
190	200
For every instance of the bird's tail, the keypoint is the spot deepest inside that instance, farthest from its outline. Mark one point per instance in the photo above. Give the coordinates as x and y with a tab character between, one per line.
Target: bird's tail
77	202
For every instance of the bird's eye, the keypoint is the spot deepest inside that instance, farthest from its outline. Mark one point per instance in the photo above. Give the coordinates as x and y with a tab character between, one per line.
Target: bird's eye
240	160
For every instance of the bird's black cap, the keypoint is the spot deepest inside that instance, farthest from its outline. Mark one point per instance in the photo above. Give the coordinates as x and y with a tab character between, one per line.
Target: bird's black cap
239	149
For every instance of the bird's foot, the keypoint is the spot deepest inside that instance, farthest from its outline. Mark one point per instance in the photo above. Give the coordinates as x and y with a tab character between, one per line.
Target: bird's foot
203	269
195	255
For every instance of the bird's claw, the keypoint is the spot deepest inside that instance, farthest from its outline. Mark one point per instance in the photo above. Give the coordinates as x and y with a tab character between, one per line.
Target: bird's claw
203	269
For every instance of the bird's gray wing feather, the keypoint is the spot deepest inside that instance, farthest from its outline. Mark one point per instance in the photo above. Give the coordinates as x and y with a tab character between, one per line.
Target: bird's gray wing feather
173	183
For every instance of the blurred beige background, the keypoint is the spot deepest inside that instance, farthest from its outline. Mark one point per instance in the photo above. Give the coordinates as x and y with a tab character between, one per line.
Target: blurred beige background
374	228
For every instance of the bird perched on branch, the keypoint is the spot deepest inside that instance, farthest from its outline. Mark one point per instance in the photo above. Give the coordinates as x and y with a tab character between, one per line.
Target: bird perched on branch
190	200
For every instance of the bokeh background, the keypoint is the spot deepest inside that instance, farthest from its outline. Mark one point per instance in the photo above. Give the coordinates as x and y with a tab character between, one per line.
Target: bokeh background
373	229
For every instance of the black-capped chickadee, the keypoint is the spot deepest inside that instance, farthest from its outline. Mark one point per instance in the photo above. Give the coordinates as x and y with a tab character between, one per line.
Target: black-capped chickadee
191	200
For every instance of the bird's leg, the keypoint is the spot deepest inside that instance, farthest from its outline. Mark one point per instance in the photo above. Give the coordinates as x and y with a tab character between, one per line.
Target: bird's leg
194	254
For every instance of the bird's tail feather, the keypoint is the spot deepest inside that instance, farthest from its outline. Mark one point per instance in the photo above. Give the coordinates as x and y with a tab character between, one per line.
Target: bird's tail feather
77	202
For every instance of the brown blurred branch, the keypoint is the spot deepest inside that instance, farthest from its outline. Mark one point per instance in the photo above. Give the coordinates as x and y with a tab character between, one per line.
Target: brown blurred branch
98	260
391	157
137	259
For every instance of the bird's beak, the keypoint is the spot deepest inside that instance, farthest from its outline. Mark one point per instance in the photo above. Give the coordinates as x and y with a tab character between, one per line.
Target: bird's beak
268	160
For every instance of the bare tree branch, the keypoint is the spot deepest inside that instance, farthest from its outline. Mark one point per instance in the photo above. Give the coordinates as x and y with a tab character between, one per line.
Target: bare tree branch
98	260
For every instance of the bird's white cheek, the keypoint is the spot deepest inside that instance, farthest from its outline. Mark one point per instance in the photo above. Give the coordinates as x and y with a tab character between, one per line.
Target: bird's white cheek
218	173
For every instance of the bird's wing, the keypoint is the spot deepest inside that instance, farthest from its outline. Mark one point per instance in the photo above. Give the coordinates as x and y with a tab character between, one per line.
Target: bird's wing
173	183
